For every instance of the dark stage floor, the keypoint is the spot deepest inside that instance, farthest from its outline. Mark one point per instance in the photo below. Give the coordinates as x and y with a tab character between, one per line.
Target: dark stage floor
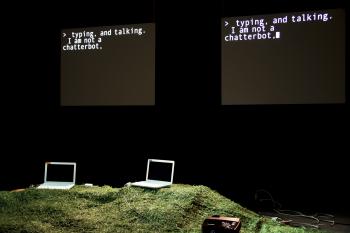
341	225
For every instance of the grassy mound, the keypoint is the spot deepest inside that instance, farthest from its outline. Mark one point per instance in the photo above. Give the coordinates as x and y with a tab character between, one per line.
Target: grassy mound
181	208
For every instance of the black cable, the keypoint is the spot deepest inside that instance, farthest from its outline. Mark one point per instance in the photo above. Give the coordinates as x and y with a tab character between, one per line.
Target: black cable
317	218
275	204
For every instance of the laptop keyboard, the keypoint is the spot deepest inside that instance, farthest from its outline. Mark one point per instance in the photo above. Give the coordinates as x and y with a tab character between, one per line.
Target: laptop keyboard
152	183
56	185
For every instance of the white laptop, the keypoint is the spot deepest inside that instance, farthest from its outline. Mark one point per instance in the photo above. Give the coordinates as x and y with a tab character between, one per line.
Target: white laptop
59	175
159	174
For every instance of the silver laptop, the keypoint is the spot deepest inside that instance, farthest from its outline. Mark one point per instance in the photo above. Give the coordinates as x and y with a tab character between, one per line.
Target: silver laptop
159	174
59	175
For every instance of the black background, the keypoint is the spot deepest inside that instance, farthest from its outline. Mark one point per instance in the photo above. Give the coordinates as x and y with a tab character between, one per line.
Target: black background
297	152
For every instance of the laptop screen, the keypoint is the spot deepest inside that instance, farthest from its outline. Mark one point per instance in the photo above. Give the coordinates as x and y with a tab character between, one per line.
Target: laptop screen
160	171
62	173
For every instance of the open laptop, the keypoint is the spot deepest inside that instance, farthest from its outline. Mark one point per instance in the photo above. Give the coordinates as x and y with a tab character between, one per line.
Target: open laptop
159	174
59	175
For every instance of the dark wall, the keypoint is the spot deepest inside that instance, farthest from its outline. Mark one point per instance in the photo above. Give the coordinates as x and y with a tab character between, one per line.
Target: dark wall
298	152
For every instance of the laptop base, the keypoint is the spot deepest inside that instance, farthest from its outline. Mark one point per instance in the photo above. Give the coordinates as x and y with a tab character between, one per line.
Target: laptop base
153	184
56	185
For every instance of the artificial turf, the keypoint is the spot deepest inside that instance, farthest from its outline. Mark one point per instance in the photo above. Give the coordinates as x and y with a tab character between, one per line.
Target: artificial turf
181	208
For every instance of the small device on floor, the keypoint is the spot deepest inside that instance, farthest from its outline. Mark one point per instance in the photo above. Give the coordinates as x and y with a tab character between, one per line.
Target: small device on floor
221	224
